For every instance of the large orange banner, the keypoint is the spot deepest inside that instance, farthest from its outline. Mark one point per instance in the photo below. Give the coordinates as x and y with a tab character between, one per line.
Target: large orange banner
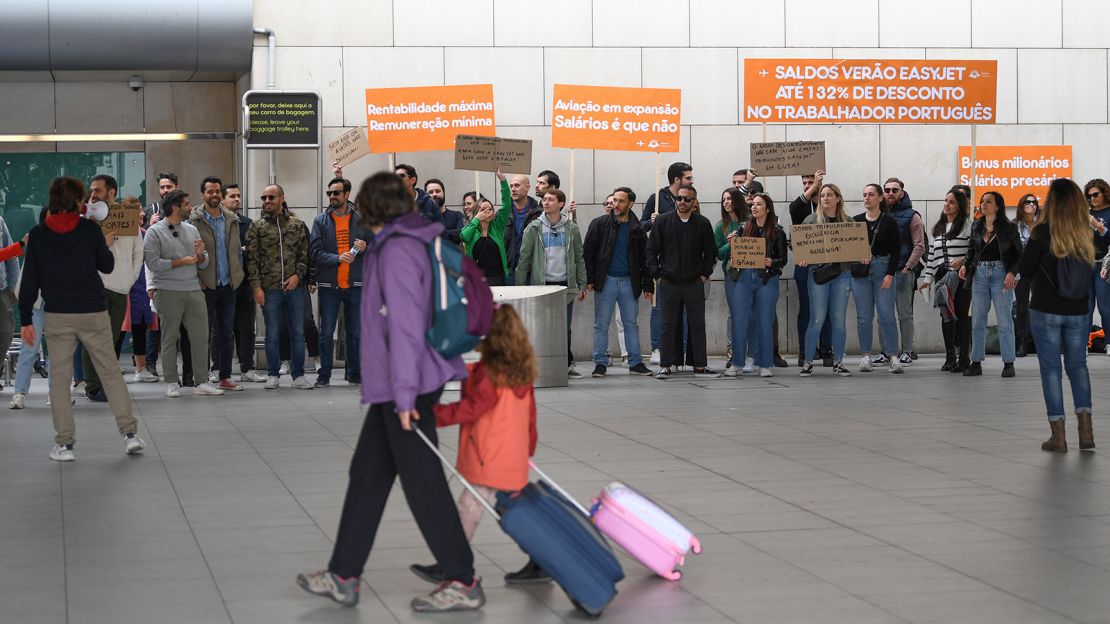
847	91
616	118
1014	170
423	119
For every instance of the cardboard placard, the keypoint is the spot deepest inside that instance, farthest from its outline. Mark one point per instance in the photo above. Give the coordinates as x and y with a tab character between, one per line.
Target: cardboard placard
616	118
748	252
482	153
787	158
870	91
122	221
820	243
349	147
426	119
1014	171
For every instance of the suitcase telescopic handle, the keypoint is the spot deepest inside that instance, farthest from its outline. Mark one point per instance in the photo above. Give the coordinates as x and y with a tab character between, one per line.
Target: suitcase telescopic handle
451	467
558	488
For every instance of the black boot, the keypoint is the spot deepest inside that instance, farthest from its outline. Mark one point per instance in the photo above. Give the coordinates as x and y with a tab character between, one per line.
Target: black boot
962	364
974	370
949	360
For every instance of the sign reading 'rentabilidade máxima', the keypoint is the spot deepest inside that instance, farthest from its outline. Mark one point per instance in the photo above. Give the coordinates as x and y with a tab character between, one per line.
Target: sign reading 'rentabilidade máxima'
280	119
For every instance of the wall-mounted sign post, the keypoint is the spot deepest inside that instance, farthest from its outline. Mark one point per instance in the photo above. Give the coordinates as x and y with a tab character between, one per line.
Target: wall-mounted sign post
282	120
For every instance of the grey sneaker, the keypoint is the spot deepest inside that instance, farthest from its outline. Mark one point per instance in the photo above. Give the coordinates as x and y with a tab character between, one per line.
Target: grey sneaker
252	376
451	596
573	373
324	583
840	371
133	444
62	453
300	383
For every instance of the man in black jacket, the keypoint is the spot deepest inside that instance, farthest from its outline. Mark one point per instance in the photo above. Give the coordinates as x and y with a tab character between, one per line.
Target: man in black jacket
453	220
615	249
681	253
425	205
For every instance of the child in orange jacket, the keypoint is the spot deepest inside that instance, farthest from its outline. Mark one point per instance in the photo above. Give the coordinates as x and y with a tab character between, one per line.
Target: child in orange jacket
496	414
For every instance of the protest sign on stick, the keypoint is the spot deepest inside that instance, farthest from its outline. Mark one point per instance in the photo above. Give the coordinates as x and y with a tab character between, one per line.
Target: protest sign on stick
421	119
486	153
616	118
349	147
787	158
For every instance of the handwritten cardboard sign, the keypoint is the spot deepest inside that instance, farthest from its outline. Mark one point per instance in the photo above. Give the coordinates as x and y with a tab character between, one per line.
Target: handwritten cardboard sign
485	153
122	221
349	147
748	252
820	243
788	158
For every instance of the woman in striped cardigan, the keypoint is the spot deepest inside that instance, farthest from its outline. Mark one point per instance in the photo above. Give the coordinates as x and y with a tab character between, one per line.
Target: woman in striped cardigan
951	235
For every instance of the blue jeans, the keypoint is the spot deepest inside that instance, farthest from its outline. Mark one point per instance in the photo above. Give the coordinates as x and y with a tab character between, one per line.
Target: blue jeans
1050	332
869	295
616	292
801	281
221	323
330	299
290	304
29	355
986	290
828	301
752	307
78	366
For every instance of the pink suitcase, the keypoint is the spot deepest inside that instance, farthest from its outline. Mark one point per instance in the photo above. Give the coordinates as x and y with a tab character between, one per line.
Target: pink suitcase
645	530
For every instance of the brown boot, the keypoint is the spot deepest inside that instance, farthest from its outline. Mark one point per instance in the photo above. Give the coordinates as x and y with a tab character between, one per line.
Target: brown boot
1086	433
1057	442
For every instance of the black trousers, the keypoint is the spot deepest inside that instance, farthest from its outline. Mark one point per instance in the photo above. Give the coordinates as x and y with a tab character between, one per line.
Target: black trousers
245	312
1021	313
957	333
384	452
673	299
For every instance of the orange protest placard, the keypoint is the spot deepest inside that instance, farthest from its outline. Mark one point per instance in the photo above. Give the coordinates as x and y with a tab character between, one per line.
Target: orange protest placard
870	91
1014	170
616	118
424	119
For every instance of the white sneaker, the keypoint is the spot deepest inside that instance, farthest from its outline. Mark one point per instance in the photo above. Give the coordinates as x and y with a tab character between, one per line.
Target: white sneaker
654	357
252	376
905	359
272	382
302	383
62	453
315	364
865	364
573	373
145	376
133	445
173	391
749	366
18	399
284	370
731	372
78	390
207	389
213	377
896	367
765	372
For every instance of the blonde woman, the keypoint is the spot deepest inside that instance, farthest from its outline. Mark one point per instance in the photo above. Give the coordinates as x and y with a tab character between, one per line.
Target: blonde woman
828	287
1059	260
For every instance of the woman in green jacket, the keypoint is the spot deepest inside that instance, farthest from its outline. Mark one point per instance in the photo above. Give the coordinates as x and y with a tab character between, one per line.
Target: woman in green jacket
484	236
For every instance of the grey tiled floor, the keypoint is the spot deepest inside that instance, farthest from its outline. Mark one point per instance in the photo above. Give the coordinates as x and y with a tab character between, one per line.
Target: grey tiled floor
923	498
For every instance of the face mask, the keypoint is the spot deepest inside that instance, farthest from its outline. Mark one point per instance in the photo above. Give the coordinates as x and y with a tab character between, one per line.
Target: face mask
97	211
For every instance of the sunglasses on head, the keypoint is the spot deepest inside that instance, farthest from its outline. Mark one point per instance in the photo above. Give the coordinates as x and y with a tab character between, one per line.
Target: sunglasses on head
334	193
269	197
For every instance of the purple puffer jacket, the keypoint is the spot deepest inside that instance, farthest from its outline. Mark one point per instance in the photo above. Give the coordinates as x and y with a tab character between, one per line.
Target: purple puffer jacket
396	302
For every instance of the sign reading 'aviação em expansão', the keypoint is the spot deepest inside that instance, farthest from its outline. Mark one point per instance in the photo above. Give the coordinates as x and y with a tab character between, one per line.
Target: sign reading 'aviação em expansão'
616	118
870	91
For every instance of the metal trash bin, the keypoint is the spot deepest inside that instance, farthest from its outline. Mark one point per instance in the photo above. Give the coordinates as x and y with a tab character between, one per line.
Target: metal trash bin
543	309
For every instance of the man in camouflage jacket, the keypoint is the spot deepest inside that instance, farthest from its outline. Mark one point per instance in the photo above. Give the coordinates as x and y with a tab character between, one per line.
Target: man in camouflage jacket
277	265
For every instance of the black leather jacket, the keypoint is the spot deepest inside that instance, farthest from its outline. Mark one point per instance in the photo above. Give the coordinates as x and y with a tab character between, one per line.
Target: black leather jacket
597	247
1009	246
776	251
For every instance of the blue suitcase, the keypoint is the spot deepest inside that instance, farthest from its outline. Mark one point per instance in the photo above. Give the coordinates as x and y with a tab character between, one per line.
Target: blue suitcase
559	537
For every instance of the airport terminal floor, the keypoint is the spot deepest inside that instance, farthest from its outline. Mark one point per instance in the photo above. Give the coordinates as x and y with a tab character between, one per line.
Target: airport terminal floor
915	498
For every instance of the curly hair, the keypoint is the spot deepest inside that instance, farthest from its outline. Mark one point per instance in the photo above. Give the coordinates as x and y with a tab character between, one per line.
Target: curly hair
1101	185
507	352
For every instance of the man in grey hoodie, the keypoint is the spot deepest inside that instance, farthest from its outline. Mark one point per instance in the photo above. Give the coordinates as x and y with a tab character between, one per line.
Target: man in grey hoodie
173	251
551	253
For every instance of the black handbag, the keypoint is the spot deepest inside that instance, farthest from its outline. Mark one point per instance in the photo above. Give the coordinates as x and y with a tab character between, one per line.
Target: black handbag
825	273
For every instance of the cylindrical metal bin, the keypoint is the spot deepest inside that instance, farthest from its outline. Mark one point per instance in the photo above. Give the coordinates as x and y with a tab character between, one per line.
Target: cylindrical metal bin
543	309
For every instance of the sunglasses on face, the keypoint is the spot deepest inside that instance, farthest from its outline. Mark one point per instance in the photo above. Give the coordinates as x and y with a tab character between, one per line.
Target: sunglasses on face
682	200
1030	202
1093	195
269	197
891	190
334	193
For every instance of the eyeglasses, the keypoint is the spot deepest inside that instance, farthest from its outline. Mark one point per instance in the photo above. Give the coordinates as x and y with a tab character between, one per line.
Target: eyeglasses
682	200
269	197
331	193
891	190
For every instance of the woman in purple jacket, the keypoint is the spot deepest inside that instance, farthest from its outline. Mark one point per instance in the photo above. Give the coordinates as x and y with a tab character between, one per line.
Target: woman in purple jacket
398	278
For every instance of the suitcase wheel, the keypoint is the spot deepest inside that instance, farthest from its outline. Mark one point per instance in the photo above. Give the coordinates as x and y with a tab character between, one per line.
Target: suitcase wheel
675	575
587	612
695	545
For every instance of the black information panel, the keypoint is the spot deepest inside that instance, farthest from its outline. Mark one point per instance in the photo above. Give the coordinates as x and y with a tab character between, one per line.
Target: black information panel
283	119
